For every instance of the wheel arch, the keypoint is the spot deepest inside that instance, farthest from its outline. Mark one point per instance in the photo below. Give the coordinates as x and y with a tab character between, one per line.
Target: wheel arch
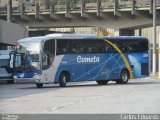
67	73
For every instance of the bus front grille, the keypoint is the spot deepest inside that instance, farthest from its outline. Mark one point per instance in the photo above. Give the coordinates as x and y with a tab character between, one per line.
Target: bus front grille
144	69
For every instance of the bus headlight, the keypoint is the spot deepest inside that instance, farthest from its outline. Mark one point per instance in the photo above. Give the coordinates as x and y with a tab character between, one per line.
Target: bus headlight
37	76
14	77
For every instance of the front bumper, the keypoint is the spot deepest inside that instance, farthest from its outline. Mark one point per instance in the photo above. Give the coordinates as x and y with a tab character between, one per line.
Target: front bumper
5	78
26	80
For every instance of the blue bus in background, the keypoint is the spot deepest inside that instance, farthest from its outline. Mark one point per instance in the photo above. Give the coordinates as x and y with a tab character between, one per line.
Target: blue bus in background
62	58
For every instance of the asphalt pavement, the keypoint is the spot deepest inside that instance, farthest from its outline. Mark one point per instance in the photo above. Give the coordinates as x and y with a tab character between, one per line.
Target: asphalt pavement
138	96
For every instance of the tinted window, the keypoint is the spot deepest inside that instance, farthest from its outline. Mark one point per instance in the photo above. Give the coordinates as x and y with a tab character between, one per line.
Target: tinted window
87	46
109	48
76	46
131	46
62	46
143	46
95	46
83	46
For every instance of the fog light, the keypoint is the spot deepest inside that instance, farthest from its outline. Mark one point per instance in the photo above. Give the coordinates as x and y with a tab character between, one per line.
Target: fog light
37	76
14	77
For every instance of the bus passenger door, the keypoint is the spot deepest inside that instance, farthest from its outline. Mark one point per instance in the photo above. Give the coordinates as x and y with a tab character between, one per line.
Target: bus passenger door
48	55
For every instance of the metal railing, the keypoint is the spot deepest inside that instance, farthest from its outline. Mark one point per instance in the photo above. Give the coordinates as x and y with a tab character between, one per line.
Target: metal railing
143	3
107	4
74	5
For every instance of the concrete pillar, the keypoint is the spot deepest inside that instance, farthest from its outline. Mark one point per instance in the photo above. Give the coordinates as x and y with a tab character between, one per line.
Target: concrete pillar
9	10
151	7
140	32
37	16
83	8
115	7
22	10
154	38
133	7
98	8
67	8
52	13
159	58
124	32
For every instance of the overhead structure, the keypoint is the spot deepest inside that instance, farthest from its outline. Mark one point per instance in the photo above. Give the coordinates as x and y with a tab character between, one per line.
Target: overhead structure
117	14
9	10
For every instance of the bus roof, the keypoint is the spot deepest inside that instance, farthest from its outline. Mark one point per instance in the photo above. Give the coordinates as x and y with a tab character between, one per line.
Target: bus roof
80	36
124	37
60	36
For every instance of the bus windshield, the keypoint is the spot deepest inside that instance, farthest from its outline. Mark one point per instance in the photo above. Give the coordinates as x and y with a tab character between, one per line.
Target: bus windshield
27	56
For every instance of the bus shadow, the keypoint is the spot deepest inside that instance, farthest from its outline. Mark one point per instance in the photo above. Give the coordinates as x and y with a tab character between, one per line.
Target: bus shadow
44	87
19	90
143	83
90	85
114	84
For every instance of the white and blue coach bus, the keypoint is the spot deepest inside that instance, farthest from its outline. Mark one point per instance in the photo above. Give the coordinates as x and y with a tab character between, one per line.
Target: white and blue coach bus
62	58
6	65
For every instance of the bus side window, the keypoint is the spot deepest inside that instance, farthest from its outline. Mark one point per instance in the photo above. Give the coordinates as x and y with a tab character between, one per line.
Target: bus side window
143	45
62	47
119	44
101	47
132	46
109	48
76	46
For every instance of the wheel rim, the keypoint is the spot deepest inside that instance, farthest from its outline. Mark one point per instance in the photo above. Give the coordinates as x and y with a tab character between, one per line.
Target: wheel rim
124	77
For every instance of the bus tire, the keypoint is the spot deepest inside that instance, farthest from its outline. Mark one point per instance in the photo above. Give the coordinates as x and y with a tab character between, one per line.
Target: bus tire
102	82
39	85
10	81
124	77
63	79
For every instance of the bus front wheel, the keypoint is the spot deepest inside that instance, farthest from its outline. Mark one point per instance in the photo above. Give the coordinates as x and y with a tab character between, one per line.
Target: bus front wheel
39	85
63	79
124	77
102	82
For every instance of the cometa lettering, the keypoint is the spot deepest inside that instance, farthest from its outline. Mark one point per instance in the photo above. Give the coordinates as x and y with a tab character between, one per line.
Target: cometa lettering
88	59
